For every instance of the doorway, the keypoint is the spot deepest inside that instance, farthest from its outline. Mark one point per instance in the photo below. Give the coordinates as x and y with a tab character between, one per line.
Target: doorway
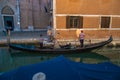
8	22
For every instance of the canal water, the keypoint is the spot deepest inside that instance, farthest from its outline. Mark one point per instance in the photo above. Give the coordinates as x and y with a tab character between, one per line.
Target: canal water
15	59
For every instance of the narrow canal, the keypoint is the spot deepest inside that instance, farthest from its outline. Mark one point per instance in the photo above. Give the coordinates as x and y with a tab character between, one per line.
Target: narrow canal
15	59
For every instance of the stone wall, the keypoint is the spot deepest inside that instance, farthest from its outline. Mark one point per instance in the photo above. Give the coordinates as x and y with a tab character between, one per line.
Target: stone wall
32	14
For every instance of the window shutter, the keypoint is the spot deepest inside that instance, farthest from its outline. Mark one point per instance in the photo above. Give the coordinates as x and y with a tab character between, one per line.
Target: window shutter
105	22
80	22
67	21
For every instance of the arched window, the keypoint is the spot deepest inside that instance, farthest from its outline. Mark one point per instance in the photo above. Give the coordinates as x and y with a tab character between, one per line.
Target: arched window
7	10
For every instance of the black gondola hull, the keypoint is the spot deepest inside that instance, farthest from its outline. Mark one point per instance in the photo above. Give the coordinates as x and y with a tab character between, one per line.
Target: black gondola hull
33	49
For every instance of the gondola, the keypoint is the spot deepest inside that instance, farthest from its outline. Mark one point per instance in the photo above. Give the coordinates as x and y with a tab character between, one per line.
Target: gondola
62	50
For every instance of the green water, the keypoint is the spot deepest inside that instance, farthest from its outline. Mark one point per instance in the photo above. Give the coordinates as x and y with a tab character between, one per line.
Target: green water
15	59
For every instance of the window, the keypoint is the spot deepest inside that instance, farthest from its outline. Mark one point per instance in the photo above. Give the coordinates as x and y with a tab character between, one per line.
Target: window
74	22
105	22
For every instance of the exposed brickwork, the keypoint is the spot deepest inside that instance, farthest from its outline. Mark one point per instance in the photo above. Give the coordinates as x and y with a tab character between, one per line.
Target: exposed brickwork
89	34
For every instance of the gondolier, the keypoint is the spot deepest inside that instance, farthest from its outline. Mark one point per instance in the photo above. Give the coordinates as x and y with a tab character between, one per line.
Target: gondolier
81	37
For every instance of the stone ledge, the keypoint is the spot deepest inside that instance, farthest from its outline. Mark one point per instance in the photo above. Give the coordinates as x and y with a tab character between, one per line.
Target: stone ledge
114	43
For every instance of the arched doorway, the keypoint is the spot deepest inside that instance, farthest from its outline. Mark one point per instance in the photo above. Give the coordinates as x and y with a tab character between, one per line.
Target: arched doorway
8	18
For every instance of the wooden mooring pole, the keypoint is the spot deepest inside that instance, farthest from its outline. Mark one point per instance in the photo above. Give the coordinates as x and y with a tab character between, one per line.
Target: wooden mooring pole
8	39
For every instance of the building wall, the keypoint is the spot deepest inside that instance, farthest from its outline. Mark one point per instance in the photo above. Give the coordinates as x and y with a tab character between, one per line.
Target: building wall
32	14
99	7
116	22
91	22
92	11
3	4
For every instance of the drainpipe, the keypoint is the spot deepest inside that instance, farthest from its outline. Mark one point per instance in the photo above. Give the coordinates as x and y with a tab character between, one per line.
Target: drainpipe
54	17
18	15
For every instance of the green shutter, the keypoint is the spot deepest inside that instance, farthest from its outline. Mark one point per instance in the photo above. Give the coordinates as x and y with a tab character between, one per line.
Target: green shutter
81	22
67	21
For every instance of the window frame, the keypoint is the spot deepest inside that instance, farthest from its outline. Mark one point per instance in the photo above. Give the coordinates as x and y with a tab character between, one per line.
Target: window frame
74	22
105	22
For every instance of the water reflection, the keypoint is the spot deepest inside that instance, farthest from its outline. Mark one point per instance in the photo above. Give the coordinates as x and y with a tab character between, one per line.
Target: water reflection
9	61
42	57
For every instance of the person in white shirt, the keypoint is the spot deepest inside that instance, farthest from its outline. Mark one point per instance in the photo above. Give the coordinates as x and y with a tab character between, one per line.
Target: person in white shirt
81	37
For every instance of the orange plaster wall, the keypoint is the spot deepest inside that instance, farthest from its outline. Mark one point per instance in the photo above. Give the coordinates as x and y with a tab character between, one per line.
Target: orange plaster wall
78	6
116	22
105	7
91	22
88	7
61	22
116	7
67	6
